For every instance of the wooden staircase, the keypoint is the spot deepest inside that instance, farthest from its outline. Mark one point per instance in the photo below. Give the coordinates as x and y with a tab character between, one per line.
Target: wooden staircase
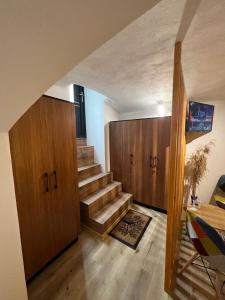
102	201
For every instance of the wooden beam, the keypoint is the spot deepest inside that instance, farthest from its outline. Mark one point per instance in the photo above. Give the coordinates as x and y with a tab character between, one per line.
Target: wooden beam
190	9
176	173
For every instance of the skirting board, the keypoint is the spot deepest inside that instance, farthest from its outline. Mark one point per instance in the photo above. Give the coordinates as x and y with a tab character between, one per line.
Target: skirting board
51	261
151	207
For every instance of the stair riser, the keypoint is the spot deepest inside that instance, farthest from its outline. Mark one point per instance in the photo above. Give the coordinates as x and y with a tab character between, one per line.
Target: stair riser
85	156
115	216
102	201
81	142
103	228
94	186
82	175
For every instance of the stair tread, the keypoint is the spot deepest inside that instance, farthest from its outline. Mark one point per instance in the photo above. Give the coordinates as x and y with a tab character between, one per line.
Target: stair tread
95	196
92	179
85	146
81	141
107	212
87	167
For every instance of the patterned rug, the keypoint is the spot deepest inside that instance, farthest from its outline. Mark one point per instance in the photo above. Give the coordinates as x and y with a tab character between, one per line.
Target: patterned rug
131	228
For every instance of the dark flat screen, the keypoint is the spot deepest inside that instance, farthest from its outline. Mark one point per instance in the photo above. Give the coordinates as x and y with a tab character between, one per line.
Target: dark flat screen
200	117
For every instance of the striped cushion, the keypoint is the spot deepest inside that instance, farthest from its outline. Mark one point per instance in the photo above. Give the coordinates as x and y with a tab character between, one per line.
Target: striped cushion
220	201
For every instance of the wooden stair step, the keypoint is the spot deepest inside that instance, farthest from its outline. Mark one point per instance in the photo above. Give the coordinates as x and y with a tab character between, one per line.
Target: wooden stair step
93	184
96	201
109	214
81	142
84	147
85	156
88	171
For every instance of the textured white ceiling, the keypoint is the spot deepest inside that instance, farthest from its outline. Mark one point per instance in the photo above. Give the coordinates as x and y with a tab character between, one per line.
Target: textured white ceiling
135	68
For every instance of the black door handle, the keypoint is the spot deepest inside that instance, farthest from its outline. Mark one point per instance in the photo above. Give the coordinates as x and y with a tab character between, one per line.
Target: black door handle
156	160
46	182
151	165
56	183
131	159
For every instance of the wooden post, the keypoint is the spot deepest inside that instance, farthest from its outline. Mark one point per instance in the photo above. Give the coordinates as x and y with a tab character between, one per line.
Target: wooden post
176	172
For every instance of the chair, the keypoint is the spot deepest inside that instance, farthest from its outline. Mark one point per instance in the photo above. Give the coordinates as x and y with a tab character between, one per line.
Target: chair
220	201
209	247
219	193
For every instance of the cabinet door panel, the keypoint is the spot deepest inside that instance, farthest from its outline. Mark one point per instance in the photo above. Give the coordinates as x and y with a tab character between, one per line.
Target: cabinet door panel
129	155
139	152
144	162
30	159
162	153
156	139
116	149
123	139
64	180
137	166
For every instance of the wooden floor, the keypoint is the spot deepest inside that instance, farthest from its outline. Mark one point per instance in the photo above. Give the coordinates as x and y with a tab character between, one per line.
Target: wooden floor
93	269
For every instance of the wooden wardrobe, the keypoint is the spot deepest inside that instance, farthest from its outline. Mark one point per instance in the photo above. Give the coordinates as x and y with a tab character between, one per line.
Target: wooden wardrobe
139	155
45	174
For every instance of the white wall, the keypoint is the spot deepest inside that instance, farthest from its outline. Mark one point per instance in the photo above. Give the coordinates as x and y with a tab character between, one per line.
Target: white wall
98	115
94	108
12	280
216	161
110	114
64	92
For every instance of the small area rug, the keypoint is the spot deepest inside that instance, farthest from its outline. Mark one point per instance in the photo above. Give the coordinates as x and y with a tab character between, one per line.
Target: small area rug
131	228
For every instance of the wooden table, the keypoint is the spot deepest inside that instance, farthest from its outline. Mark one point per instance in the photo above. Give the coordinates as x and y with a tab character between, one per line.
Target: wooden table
213	215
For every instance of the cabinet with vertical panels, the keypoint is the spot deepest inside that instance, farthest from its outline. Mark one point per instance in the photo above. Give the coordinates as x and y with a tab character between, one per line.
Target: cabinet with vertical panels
142	164
45	175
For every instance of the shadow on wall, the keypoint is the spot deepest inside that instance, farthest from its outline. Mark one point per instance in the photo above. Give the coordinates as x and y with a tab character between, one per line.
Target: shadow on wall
191	136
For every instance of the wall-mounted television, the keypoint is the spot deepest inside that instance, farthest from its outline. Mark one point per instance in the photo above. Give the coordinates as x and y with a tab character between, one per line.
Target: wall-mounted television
199	117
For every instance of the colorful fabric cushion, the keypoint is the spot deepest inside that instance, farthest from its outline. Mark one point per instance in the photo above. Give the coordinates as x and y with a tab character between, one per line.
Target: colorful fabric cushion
220	201
221	183
206	240
222	234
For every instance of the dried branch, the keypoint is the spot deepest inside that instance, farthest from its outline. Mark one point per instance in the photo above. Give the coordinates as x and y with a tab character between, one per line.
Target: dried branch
196	166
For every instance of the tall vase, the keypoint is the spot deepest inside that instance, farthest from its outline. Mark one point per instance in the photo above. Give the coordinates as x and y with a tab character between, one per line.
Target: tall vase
195	201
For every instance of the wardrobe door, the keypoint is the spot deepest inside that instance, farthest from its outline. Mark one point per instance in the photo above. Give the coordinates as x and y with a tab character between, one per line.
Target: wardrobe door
155	151
161	151
129	159
30	158
136	149
143	168
64	179
116	149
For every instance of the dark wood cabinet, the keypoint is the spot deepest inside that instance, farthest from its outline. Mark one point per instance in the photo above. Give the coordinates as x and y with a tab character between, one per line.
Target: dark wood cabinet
139	152
45	175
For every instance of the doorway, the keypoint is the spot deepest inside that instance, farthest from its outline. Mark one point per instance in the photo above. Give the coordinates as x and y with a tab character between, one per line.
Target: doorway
79	101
